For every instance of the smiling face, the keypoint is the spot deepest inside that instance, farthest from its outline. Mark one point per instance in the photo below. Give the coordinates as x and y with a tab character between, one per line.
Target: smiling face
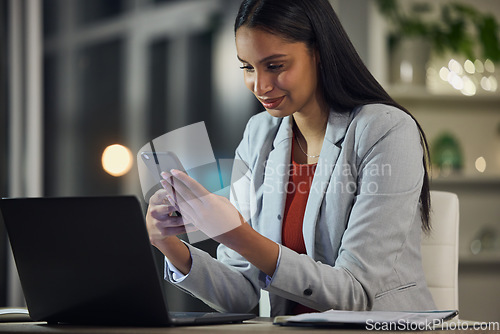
282	75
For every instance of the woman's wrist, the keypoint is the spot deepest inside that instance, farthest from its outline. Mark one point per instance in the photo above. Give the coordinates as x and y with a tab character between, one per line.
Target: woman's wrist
257	249
177	253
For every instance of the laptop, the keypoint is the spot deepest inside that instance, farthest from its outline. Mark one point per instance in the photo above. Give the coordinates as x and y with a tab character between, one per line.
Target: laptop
88	261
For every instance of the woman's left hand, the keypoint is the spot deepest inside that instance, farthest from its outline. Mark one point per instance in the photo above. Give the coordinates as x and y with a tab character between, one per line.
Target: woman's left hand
214	215
218	218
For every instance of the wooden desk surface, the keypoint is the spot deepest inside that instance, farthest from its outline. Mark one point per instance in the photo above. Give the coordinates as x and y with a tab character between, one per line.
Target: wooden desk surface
259	325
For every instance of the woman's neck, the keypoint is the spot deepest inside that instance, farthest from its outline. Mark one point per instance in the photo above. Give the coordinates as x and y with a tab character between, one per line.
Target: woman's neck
309	130
312	121
311	127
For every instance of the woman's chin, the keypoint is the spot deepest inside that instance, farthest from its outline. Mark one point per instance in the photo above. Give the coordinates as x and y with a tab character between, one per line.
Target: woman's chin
279	113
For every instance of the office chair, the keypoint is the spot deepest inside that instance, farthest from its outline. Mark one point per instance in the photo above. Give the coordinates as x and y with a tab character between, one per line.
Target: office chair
440	250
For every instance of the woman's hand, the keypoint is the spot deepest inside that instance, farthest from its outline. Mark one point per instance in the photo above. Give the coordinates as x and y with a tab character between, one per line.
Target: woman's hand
212	214
161	220
218	218
163	226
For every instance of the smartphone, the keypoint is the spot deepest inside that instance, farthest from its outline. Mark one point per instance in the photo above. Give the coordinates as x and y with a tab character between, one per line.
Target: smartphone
158	162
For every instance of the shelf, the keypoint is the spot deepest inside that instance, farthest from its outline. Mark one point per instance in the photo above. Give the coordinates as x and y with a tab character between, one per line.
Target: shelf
471	180
480	259
421	94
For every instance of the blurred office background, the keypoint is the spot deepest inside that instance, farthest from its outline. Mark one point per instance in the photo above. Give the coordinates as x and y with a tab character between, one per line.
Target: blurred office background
77	76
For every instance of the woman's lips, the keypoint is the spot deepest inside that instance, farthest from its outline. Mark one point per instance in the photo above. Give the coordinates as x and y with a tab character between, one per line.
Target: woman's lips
272	103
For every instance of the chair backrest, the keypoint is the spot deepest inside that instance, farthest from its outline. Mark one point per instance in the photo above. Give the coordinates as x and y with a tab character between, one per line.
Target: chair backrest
440	250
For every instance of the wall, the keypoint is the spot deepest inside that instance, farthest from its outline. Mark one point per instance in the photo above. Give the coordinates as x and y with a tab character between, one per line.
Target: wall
3	146
475	121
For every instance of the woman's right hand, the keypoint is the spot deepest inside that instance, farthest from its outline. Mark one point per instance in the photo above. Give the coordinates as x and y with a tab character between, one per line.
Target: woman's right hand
161	220
163	227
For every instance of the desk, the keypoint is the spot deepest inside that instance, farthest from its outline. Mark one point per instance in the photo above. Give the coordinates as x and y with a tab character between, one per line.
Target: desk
255	326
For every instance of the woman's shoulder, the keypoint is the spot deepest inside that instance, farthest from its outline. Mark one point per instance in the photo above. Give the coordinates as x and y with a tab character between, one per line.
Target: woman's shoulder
379	119
263	121
373	122
262	126
381	114
260	133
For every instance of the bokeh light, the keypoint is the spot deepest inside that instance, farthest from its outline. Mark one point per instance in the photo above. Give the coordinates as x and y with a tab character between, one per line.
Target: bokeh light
117	160
469	67
469	78
480	164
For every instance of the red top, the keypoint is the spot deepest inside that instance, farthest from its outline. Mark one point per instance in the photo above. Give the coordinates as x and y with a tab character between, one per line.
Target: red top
298	187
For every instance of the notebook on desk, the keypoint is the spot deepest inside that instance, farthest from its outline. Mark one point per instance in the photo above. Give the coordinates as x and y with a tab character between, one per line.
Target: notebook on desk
88	260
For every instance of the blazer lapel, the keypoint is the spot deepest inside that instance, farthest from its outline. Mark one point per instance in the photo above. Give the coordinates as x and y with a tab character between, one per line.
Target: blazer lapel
275	179
334	135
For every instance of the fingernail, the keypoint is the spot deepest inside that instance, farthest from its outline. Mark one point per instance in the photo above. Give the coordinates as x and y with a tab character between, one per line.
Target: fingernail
170	199
165	175
175	172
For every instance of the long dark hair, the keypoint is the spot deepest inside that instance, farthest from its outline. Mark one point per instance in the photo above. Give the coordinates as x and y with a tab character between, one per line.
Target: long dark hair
345	80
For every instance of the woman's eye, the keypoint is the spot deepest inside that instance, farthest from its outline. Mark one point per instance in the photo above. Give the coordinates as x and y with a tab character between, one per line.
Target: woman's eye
274	67
247	68
270	67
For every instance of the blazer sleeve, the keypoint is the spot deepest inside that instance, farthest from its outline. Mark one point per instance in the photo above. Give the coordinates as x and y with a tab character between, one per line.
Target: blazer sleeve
229	283
383	212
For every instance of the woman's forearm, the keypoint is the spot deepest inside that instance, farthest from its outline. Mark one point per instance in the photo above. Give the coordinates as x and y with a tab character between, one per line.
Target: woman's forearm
257	249
176	252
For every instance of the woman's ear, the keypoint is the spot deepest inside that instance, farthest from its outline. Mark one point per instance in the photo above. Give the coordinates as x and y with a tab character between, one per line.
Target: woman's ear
317	58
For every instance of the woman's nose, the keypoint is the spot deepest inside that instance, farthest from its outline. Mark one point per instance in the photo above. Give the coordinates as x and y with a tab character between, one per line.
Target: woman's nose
262	84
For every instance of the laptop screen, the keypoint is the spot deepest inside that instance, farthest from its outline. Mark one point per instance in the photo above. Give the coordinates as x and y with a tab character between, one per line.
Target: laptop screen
85	260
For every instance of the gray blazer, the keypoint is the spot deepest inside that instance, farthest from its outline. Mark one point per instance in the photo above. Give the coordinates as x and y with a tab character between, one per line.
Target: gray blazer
362	223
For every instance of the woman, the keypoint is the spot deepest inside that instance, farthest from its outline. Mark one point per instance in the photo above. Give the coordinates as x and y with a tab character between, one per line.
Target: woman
335	191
